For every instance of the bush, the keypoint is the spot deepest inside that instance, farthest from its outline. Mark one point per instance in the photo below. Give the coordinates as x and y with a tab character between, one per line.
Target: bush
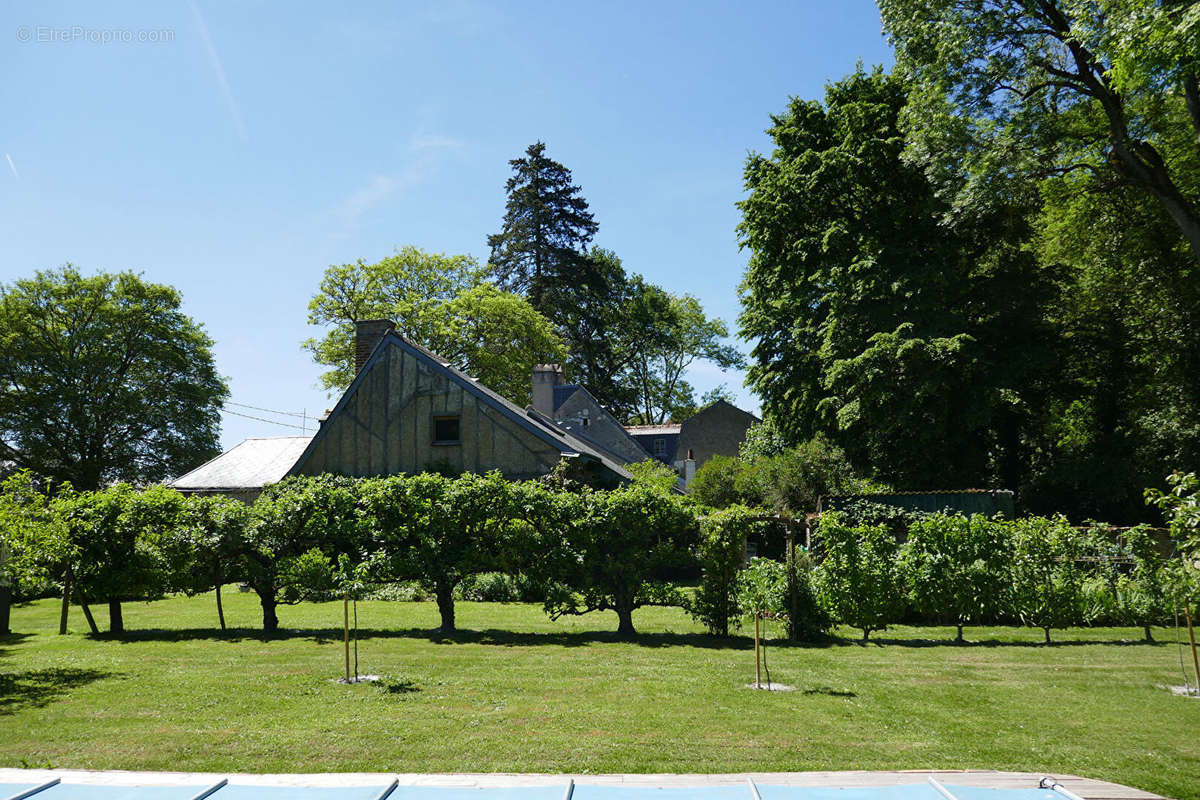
401	592
957	568
858	581
1046	580
720	551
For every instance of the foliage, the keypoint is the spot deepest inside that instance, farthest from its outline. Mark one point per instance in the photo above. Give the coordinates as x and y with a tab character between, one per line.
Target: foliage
436	530
720	551
1046	581
762	440
33	547
789	480
863	303
299	526
206	547
497	337
629	341
547	226
655	475
105	380
761	589
674	334
616	550
441	303
718	483
858	580
796	478
957	568
115	543
1008	90
1181	506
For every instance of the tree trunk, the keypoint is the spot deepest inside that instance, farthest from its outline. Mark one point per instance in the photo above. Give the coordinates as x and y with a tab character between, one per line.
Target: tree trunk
625	622
959	638
5	606
87	614
1146	629
445	604
866	634
116	622
1047	632
66	605
270	618
220	608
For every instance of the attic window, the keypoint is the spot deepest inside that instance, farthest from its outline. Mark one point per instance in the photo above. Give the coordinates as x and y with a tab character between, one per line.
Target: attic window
445	430
660	447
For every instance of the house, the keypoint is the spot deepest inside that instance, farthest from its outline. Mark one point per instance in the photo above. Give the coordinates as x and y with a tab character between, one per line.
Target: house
718	429
406	411
575	409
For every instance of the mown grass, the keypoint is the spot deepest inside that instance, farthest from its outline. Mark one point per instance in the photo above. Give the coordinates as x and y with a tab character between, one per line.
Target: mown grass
516	692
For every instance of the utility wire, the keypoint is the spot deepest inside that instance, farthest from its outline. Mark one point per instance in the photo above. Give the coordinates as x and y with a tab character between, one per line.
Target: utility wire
268	410
261	419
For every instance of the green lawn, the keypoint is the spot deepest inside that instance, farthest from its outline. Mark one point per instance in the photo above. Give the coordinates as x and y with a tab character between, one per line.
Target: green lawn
516	692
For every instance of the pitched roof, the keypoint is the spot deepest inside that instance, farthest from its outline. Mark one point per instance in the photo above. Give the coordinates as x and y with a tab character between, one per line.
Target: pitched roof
561	393
652	430
534	422
250	465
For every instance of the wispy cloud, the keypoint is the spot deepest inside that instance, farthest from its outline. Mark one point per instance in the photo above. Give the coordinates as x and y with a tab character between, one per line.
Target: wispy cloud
365	198
219	70
426	153
12	166
434	141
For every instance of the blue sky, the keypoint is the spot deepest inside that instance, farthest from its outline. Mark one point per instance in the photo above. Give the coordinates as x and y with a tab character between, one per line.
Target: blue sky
234	150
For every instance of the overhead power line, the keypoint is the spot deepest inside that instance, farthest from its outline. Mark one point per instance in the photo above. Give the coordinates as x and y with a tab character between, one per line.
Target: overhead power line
267	410
269	421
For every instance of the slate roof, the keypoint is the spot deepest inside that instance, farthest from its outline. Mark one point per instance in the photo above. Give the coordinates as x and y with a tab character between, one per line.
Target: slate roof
561	393
250	465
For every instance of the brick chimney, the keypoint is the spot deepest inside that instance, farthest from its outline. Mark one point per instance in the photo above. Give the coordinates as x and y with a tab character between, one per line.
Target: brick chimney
367	333
545	378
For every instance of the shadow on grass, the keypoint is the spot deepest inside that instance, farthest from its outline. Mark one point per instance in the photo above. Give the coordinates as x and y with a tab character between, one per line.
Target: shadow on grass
398	686
40	687
967	644
831	692
503	638
11	639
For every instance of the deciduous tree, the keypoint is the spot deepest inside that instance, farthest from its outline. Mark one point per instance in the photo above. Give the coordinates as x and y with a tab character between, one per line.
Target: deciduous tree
105	379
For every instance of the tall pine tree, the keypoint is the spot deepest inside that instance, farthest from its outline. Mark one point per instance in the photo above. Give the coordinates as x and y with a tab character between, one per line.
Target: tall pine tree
540	252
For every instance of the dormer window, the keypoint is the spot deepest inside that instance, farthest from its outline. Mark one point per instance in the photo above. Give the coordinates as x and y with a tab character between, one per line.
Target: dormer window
660	448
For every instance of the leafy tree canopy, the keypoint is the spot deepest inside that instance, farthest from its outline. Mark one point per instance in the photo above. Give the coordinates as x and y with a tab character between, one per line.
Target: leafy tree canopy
547	227
1012	89
105	379
442	303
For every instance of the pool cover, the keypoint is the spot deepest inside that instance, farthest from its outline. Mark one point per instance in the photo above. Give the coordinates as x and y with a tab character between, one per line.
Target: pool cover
914	791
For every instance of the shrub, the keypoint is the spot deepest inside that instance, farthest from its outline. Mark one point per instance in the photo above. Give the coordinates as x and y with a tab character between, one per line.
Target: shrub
858	581
613	551
1046	581
717	483
957	567
720	551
